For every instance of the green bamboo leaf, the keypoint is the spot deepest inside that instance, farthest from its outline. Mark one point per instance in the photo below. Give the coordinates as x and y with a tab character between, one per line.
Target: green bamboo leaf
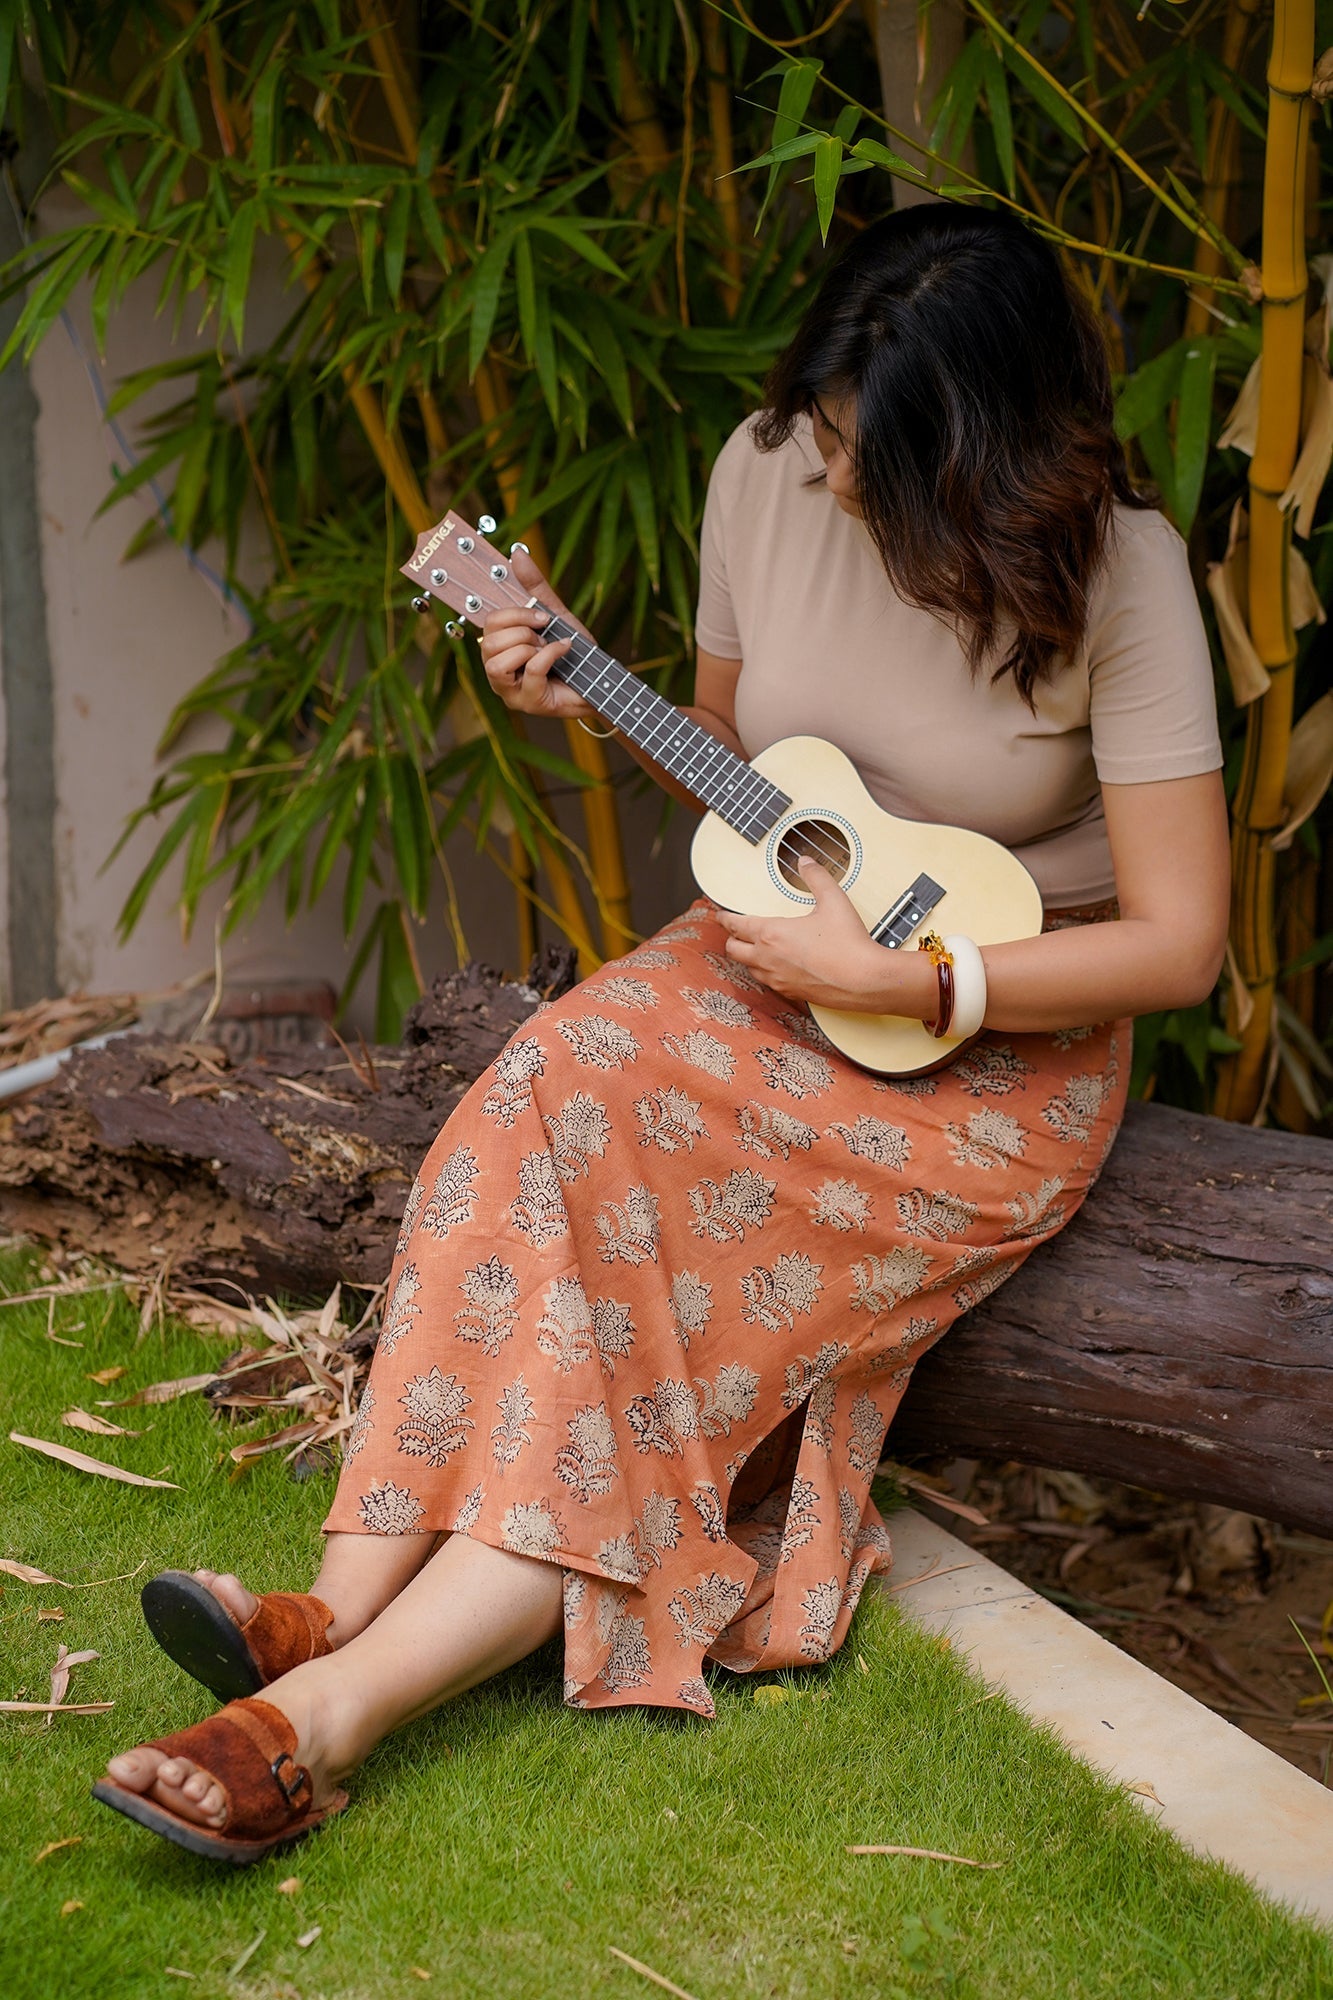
643	506
363	850
395	238
955	105
828	172
240	257
1155	443
798	85
1044	94
1145	394
263	117
1193	429
403	832
396	988
487	283
578	239
1001	114
525	289
876	155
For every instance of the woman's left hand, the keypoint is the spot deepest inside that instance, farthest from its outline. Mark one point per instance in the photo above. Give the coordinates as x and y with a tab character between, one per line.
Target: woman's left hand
827	956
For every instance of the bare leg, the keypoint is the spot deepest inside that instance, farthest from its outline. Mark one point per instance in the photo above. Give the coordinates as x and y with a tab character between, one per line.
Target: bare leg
359	1576
469	1613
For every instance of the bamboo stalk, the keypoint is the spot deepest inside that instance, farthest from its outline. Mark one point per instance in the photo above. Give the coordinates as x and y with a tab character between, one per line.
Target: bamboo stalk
725	192
1221	166
1257	811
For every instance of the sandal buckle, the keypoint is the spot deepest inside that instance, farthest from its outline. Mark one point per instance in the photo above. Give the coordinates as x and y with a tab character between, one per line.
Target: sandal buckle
291	1787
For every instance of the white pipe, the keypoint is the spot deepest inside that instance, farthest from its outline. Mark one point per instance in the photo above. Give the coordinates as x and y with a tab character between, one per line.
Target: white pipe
26	1076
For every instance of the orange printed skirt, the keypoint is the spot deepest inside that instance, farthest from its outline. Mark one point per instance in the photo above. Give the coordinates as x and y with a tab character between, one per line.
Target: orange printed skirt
659	1289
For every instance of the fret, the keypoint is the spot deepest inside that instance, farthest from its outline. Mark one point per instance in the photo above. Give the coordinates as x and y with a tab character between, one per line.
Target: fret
720	779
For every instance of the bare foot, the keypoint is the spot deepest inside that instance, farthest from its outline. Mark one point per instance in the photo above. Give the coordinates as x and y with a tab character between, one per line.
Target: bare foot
238	1602
174	1782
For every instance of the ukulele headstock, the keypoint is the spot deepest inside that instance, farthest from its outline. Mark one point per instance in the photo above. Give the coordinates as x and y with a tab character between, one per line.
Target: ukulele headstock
455	563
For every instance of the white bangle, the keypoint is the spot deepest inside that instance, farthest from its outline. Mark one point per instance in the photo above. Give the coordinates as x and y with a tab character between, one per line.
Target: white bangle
969	988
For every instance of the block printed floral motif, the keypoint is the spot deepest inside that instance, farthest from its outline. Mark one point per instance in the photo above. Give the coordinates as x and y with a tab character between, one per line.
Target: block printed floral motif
578	1134
723	1213
453	1197
490	1316
435	1424
659	1286
512	1076
537	1212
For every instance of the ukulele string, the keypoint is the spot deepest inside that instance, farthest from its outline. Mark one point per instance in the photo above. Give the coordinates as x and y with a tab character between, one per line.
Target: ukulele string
797	842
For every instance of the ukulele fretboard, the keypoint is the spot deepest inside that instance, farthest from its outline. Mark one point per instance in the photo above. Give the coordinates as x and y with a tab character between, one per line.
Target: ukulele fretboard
718	778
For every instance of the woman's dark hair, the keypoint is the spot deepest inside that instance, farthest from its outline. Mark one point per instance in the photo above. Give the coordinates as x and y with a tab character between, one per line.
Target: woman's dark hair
985	458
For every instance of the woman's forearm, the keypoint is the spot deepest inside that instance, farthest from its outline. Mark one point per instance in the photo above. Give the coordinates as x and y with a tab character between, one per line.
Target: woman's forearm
1068	979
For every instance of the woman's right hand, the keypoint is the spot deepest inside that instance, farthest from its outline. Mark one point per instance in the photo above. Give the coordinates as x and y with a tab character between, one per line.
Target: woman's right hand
518	666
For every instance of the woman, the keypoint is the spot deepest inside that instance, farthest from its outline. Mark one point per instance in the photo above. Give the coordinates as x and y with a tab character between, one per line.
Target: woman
662	1280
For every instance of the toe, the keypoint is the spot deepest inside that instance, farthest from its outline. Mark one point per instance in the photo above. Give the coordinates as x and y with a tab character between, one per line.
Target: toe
134	1769
233	1596
194	1796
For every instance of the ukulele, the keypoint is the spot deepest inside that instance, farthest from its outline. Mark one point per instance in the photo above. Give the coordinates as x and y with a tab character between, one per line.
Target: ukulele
799	797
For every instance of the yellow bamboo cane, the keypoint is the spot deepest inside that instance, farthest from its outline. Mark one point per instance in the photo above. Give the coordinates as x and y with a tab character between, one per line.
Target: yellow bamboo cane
724	154
1257	810
1221	165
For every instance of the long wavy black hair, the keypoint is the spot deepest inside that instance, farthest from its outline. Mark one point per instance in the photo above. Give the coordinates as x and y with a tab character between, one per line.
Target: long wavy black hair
985	459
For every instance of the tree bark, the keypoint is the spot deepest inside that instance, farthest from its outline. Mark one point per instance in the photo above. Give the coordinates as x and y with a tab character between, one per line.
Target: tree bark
1177	1335
916	48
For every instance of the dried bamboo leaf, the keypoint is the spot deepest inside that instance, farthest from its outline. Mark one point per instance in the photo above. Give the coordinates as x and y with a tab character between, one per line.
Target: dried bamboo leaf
80	1420
54	1846
83	1463
1302	596
1228	586
52	1708
295	1434
60	1672
1238	432
29	1573
928	1854
1316	453
928	1576
165	1392
646	1972
1309	768
104	1377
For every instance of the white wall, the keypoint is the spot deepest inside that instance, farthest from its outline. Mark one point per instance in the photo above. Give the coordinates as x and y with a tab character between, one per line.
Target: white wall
127	641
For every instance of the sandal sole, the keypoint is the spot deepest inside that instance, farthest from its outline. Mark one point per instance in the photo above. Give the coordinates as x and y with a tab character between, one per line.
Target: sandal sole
198	1839
194	1630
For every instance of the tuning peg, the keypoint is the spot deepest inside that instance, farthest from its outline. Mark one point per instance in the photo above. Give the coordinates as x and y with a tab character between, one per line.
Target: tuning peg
421	604
516	546
453	628
487	523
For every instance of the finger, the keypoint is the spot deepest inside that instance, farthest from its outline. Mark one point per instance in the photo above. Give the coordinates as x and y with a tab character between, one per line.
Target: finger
509	668
502	628
741	951
817	878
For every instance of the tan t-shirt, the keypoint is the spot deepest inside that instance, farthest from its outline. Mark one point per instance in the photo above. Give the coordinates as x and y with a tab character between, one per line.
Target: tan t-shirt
794	588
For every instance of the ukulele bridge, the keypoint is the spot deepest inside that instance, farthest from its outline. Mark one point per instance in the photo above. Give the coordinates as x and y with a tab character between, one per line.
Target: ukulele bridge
901	918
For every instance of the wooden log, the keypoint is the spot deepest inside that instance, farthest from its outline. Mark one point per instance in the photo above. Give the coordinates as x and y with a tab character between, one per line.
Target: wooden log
1177	1335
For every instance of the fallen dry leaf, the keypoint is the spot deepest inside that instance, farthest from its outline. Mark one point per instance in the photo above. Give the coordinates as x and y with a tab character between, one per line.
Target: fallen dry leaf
1144	1790
51	1615
83	1463
928	1854
175	1972
247	1955
646	1972
54	1846
29	1573
60	1672
164	1392
106	1376
294	1434
68	1909
307	1938
80	1420
55	1708
928	1576
290	1886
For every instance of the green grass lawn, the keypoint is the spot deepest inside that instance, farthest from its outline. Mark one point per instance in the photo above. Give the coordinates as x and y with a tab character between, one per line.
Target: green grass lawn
502	1846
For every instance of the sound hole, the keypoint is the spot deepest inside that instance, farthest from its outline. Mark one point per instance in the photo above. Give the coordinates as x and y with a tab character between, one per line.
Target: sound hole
823	840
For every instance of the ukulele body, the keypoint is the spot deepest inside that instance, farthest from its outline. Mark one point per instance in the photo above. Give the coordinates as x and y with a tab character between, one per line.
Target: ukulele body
988	895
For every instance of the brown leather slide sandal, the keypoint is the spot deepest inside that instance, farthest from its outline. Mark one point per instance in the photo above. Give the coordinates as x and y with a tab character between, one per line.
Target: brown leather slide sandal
286	1629
248	1748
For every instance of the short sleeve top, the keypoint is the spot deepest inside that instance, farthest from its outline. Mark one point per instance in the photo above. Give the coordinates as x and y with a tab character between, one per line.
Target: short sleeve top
795	589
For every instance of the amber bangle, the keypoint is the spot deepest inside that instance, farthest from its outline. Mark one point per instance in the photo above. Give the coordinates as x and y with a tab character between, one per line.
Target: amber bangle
944	974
